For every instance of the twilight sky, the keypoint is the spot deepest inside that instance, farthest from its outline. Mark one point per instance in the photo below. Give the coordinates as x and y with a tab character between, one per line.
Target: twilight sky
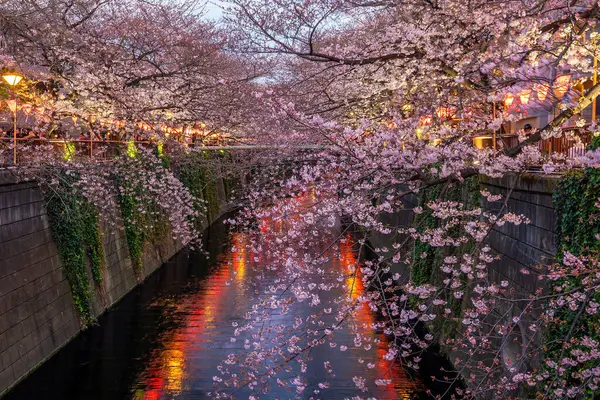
213	9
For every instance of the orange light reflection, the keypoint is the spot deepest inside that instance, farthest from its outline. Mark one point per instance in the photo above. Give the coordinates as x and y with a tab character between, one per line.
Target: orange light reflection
167	371
365	317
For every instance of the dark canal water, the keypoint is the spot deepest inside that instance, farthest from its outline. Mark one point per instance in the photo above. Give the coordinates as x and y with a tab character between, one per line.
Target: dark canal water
165	339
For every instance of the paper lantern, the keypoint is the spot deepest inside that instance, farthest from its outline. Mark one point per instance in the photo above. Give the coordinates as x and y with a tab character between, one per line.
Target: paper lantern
27	108
75	118
508	100
524	96
425	120
542	91
12	105
561	85
444	112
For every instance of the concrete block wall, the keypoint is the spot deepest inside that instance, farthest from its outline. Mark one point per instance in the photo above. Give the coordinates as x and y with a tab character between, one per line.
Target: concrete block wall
37	313
36	308
521	247
527	245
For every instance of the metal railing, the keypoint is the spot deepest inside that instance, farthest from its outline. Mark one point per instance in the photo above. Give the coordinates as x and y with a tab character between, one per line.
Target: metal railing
80	148
572	144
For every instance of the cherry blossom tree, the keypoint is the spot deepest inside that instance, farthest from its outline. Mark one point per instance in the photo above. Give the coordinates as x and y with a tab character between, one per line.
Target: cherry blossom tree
362	107
122	70
134	61
387	95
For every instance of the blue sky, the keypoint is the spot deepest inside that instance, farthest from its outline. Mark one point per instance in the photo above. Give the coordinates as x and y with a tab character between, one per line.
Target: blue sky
213	9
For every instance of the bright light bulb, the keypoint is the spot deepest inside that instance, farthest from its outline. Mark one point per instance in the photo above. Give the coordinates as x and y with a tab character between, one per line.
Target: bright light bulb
12	79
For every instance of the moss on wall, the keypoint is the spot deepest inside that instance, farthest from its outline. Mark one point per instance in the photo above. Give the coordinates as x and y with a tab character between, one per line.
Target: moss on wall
75	228
578	224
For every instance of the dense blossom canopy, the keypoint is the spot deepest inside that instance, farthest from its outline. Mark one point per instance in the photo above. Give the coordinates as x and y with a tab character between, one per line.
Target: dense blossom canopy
394	92
366	108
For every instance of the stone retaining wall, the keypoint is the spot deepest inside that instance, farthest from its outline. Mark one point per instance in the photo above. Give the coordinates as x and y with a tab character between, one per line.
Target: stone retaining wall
37	313
525	246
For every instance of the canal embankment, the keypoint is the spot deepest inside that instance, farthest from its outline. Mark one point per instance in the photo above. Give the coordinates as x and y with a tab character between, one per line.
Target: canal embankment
38	313
167	337
522	250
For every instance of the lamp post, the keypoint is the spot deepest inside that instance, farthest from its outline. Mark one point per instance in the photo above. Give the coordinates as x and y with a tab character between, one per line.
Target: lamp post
13	80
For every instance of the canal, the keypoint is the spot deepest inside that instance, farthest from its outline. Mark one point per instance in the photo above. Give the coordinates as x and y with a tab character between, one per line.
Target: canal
165	339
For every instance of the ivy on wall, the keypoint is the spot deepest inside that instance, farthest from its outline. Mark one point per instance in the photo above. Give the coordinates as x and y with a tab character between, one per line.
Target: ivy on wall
594	143
427	260
143	222
200	180
230	183
578	224
134	232
75	228
75	221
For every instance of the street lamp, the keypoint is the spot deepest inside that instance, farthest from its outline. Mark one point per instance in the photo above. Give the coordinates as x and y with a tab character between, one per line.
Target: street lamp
13	80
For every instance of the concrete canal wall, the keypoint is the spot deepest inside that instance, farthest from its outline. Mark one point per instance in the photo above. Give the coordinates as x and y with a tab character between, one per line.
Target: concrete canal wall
521	247
525	246
37	313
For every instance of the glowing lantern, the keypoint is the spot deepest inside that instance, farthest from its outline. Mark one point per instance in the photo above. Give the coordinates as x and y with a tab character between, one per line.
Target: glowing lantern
12	79
542	91
561	85
27	108
69	151
131	150
444	112
74	118
92	118
12	104
508	100
524	96
425	120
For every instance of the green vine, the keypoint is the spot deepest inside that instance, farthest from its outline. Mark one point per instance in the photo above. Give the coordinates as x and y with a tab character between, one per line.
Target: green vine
230	183
427	260
594	143
134	232
75	228
75	222
201	182
577	225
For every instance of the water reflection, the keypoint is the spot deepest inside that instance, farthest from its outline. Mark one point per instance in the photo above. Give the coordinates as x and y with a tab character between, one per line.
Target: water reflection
401	386
201	317
165	340
185	365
